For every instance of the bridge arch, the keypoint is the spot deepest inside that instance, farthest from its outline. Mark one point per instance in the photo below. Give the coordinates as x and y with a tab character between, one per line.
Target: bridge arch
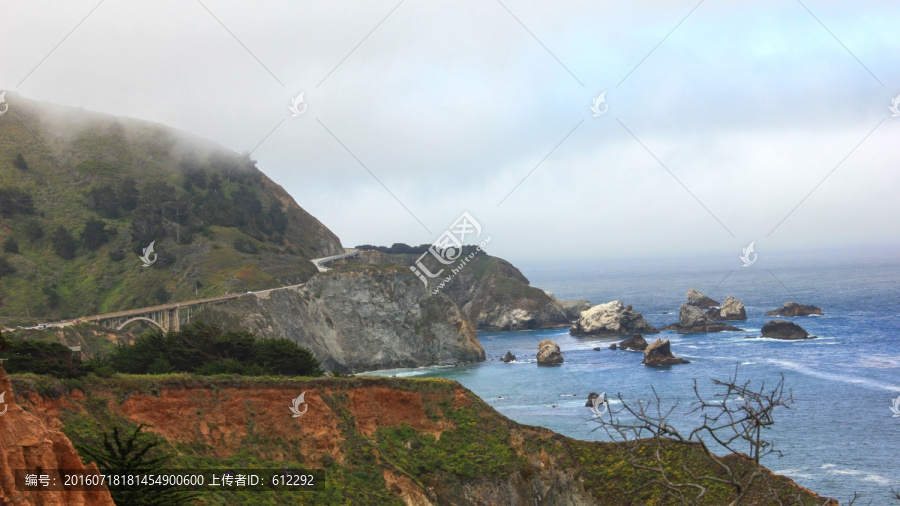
140	318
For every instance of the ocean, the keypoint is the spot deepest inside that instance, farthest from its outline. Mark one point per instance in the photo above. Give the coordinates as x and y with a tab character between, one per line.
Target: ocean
838	437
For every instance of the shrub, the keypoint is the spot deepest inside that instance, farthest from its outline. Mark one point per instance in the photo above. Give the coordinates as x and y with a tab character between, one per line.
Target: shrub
94	234
5	268
64	244
14	200
42	357
10	245
33	230
19	162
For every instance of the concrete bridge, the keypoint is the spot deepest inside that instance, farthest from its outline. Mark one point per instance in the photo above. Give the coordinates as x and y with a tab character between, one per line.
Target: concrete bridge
171	317
167	317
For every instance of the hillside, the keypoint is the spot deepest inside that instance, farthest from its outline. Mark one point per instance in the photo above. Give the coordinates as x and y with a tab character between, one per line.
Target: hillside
370	440
81	195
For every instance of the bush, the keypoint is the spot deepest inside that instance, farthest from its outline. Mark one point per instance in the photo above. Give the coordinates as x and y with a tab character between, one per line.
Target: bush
94	234
14	200
5	268
208	349
19	162
64	244
42	357
33	230
10	245
116	255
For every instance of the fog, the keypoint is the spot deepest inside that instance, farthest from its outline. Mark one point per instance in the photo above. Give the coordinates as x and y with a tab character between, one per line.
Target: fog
727	122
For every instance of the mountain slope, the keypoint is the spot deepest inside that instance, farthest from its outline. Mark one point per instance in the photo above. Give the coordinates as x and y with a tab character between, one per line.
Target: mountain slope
82	194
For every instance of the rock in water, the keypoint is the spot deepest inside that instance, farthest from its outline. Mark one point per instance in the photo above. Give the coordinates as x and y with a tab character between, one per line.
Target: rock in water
660	354
692	321
634	343
695	298
548	353
794	309
732	309
783	329
612	346
611	319
509	357
573	308
590	401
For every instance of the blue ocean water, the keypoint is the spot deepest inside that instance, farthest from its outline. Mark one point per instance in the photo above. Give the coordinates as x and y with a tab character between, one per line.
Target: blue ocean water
839	437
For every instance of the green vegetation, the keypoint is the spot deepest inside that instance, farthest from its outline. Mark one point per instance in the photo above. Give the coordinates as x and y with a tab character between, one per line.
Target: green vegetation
132	456
207	349
76	222
42	357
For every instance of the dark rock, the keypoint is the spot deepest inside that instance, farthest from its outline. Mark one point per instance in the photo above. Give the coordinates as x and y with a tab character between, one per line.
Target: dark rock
732	309
549	353
692	321
590	401
611	319
509	357
783	329
794	309
659	353
634	343
612	346
597	348
695	298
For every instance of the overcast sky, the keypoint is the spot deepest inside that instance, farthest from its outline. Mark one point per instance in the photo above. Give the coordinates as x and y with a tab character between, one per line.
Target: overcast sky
722	117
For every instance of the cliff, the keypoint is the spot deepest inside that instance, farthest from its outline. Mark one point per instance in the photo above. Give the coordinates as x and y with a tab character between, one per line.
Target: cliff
27	443
493	293
370	440
360	318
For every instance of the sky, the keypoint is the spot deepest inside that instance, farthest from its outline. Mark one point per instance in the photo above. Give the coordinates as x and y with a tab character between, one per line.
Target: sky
723	122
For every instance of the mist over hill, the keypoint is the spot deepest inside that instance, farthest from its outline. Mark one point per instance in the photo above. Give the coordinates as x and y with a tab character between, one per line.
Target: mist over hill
83	194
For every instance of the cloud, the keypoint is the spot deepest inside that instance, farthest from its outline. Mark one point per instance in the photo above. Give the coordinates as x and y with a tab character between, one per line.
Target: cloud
748	107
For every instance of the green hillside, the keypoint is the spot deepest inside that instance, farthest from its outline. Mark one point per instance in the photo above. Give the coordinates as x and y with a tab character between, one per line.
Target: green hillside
81	195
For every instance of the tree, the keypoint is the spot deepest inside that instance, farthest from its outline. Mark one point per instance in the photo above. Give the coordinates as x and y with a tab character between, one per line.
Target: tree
135	454
42	357
5	268
10	245
94	234
14	200
735	420
64	244
19	162
33	230
283	356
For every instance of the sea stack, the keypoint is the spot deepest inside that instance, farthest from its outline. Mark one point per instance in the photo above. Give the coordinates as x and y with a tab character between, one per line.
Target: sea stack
794	309
611	319
659	354
783	329
549	353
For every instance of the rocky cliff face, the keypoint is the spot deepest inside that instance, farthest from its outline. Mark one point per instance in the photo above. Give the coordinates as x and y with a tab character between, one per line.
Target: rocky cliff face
494	294
362	318
27	443
373	441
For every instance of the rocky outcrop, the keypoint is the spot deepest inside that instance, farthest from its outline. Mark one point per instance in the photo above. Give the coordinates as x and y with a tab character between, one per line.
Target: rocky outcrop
611	319
358	319
509	357
783	329
549	353
26	443
731	310
492	292
794	309
659	353
634	343
692	321
695	298
573	308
